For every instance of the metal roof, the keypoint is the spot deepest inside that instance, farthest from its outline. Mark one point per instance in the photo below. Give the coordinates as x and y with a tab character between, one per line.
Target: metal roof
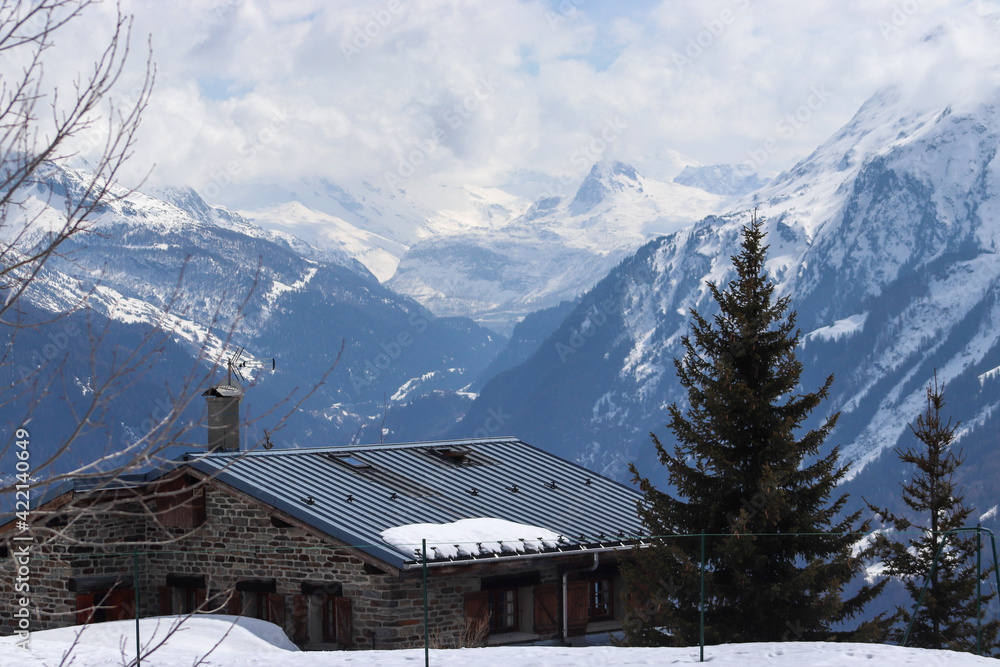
354	493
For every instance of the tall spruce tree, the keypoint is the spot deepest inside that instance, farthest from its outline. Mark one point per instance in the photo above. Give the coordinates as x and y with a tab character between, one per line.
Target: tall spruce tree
947	616
777	556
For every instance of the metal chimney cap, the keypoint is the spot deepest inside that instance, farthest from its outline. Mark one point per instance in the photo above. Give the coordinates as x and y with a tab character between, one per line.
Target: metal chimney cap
224	390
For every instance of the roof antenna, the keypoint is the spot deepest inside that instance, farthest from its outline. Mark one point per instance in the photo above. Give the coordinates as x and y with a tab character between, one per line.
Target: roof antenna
237	365
224	404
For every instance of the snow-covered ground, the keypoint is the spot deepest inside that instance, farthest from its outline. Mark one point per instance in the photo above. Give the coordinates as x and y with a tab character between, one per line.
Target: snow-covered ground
253	643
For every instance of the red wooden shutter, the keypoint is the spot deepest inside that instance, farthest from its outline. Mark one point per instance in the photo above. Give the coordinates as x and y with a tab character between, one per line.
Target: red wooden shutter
477	606
578	600
276	609
546	608
200	597
343	607
234	606
122	604
84	608
300	619
166	606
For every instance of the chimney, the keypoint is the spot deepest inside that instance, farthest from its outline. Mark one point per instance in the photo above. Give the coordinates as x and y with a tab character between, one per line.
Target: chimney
224	417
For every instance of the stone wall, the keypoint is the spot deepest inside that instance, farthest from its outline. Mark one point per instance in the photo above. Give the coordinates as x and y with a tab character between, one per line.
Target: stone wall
71	551
243	543
243	540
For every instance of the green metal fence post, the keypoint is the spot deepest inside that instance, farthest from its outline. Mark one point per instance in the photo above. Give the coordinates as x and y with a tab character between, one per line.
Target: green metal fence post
427	655
135	593
996	568
701	605
979	589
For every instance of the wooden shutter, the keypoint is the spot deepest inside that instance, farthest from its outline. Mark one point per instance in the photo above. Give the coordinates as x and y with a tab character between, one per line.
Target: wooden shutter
234	606
179	506
477	606
166	603
200	598
84	608
343	607
276	609
546	609
300	619
122	604
578	600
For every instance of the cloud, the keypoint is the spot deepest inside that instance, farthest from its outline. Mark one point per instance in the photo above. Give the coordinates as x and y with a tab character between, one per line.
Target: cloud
252	91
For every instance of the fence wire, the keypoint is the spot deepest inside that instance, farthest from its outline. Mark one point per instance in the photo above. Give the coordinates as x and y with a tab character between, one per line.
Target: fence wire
627	542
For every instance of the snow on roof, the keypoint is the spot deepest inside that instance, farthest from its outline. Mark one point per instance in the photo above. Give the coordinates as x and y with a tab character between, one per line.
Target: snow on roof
467	537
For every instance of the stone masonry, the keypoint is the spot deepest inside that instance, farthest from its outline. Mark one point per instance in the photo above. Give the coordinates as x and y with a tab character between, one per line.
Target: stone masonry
244	540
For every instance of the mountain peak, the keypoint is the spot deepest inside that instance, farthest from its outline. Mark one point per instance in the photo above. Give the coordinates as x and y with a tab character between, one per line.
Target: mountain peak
603	180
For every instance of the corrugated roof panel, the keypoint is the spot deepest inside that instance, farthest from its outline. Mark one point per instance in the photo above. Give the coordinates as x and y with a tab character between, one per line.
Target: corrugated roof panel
286	478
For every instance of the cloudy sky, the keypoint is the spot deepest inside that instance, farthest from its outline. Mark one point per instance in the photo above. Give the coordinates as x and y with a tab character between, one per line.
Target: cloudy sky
484	92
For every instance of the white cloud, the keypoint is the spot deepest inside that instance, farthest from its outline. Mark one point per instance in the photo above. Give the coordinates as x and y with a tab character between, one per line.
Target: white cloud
255	91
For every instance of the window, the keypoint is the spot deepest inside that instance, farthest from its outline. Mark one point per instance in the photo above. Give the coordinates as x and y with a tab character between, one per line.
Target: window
602	599
188	600
322	614
255	605
351	461
183	594
258	598
100	606
329	618
494	611
502	610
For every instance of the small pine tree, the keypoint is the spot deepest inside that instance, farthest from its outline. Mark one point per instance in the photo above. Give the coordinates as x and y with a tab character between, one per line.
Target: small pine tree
947	616
741	476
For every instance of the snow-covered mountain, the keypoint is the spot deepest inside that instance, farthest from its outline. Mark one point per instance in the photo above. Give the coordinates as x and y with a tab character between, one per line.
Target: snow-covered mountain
885	238
375	208
721	179
553	251
320	230
494	253
185	284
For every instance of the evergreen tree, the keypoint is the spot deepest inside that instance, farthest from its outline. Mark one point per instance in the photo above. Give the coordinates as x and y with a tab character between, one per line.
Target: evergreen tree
741	475
947	616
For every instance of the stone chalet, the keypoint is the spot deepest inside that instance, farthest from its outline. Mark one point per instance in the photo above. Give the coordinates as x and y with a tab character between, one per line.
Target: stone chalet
295	537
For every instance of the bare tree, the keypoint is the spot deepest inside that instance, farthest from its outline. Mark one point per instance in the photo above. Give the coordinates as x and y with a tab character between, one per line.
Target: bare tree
37	126
41	127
